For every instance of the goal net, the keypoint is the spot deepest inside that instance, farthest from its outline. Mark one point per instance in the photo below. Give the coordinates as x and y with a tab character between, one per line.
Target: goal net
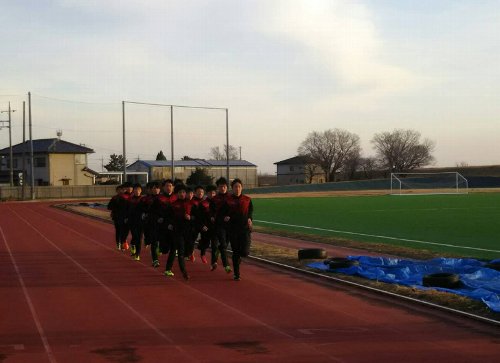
428	183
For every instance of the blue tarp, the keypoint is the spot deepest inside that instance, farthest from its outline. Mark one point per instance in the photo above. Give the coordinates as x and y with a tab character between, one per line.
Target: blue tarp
478	282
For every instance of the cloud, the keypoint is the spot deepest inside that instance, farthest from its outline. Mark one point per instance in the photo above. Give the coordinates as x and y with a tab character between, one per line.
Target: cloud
341	37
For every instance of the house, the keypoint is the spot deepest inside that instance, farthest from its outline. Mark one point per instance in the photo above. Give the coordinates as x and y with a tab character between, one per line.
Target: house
56	162
298	170
162	169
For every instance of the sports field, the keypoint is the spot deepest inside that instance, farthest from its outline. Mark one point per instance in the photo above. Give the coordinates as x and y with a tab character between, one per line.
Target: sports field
464	225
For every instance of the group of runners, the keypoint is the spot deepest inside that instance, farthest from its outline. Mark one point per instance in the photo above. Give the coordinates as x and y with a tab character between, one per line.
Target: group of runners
170	218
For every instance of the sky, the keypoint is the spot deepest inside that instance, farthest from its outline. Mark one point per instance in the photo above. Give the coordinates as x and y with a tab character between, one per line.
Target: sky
282	68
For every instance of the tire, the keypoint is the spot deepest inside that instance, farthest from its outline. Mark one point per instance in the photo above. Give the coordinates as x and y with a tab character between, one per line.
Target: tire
493	266
443	279
339	262
312	253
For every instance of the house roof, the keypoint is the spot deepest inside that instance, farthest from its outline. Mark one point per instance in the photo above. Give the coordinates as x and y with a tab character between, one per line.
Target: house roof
193	163
299	159
48	146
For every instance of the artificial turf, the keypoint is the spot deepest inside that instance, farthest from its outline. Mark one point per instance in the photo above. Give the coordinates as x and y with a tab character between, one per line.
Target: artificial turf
470	222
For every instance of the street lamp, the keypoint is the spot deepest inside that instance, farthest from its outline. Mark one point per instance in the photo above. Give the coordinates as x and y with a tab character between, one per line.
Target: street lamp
11	176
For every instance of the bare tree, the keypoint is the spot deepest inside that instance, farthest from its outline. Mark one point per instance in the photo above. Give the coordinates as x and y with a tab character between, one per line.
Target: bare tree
330	149
217	154
369	166
351	166
402	150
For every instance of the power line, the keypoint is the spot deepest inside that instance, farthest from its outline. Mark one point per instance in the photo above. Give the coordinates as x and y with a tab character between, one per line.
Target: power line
80	102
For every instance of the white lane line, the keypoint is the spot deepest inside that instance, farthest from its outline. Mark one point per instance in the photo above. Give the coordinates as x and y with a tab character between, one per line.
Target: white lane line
108	289
377	236
219	302
38	324
209	297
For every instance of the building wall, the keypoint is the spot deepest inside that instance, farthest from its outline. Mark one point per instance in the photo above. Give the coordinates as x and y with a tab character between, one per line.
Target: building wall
248	175
288	174
68	166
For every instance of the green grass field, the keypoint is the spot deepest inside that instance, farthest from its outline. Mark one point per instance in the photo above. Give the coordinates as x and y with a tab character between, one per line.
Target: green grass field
462	225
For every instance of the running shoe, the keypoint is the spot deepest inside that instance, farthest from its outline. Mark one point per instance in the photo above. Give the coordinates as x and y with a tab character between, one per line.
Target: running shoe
185	275
228	269
236	278
156	263
125	246
169	273
119	246
204	259
132	250
192	258
214	266
137	258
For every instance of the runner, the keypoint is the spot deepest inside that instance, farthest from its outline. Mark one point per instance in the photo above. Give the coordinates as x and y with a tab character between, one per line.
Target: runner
219	202
135	221
178	215
118	220
204	213
239	217
154	220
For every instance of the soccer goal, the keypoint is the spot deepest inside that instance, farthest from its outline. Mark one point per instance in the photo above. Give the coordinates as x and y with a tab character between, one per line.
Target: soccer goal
428	183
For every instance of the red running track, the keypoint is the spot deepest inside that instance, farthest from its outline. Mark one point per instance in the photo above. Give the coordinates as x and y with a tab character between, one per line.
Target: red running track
68	296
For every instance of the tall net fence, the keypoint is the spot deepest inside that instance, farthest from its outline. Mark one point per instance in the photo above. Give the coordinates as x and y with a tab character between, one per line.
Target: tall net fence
99	126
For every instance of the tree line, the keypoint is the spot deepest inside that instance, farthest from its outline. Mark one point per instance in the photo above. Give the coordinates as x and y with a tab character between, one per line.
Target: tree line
336	151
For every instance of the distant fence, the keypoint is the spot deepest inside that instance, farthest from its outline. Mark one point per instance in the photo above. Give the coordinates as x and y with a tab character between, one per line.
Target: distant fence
59	192
377	184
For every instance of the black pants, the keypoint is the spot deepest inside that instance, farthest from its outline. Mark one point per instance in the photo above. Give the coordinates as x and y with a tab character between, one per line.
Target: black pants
118	233
121	230
178	242
153	239
136	230
190	241
125	229
240	244
165	238
148	233
209	239
222	238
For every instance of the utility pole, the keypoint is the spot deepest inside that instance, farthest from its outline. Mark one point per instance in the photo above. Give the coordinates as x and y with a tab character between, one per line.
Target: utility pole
32	161
24	150
240	152
11	175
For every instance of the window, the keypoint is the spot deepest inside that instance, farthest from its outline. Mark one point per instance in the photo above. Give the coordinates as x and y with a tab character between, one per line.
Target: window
292	168
40	162
14	163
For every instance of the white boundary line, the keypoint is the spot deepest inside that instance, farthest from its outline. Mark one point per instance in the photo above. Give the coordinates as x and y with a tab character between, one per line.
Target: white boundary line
38	324
377	236
374	289
108	289
276	330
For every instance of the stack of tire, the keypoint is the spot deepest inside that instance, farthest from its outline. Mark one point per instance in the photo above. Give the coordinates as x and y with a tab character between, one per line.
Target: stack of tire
442	279
312	254
335	263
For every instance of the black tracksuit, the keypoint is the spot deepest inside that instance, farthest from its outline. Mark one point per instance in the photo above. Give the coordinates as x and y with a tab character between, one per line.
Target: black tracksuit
176	216
205	211
221	232
118	205
135	212
240	210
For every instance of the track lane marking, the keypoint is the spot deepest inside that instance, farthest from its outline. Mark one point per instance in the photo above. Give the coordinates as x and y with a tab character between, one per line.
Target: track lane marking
36	319
377	236
107	289
217	301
